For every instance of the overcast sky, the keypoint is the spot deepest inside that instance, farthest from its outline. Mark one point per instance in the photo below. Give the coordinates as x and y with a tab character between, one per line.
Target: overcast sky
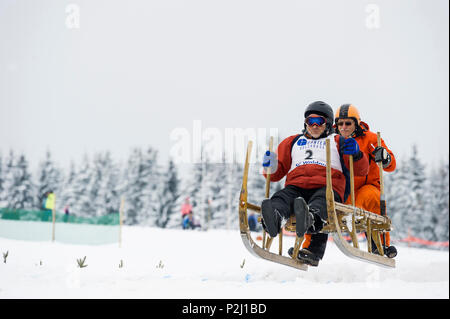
84	76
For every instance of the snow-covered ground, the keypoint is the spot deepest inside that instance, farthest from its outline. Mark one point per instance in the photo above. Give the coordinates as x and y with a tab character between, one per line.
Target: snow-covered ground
177	264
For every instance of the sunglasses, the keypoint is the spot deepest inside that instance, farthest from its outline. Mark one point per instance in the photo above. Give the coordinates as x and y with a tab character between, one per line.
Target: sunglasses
348	123
319	121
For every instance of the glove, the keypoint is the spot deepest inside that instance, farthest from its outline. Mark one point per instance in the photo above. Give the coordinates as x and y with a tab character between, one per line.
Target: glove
381	155
350	146
270	161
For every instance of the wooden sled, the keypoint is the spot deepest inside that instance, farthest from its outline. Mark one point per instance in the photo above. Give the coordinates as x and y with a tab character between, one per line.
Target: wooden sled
341	219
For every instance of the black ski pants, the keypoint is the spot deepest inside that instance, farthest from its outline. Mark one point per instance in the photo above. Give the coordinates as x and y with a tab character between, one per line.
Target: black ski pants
283	200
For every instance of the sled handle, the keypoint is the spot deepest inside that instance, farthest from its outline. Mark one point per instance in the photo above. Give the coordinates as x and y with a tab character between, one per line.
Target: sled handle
382	197
380	165
352	197
269	169
329	188
352	181
269	241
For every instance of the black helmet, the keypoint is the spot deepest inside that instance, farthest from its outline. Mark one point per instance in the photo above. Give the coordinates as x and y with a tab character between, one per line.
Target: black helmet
323	109
320	108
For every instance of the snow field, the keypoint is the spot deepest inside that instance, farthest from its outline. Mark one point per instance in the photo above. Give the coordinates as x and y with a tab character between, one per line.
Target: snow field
179	264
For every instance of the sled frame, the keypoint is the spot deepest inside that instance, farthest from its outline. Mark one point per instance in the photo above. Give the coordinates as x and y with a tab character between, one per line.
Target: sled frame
341	219
246	237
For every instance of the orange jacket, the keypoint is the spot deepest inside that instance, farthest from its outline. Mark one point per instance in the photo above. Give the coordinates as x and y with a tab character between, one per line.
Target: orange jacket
367	143
312	175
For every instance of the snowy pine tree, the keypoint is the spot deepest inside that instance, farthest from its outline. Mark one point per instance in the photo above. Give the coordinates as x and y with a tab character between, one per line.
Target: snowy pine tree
406	197
169	199
66	197
399	199
233	190
196	190
439	201
238	172
256	184
140	188
419	219
412	197
104	185
92	189
18	186
49	178
151	179
134	185
229	188
1	180
216	195
83	205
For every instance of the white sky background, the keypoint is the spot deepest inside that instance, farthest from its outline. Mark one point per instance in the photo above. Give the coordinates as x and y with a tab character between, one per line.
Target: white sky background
136	70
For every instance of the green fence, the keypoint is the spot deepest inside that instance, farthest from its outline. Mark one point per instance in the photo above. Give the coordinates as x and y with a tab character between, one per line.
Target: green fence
37	226
46	216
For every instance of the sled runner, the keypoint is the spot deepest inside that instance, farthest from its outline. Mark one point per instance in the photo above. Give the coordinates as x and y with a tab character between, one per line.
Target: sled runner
341	219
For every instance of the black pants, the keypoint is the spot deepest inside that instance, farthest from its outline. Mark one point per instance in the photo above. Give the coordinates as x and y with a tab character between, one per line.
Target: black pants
283	200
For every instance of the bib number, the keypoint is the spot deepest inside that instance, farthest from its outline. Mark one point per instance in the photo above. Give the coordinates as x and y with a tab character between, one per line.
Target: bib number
309	154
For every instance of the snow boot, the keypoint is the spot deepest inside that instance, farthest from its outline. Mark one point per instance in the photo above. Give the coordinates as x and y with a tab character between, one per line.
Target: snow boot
305	256
271	218
303	217
390	252
308	257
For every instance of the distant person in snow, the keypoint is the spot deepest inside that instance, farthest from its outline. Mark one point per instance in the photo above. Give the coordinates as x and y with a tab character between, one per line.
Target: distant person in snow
301	158
66	213
186	209
367	188
47	206
189	222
